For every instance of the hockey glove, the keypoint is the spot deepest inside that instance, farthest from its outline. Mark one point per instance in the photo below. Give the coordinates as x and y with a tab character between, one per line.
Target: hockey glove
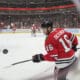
37	58
74	47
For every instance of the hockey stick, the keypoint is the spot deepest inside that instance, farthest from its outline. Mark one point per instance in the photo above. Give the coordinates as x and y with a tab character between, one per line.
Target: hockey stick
20	62
78	48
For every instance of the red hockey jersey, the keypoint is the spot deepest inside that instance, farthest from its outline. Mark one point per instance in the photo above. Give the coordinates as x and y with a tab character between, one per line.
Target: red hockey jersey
58	45
34	27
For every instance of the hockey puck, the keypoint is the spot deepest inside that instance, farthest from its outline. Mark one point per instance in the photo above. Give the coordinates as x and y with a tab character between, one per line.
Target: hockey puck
5	51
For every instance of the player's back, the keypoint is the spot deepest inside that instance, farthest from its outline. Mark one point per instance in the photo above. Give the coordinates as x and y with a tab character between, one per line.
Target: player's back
62	43
58	45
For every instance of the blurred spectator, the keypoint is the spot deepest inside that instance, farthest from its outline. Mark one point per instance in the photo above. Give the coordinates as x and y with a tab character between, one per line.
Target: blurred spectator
67	18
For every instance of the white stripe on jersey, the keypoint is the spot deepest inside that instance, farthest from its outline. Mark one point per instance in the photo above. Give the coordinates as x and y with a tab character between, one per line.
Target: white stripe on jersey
65	63
66	58
72	38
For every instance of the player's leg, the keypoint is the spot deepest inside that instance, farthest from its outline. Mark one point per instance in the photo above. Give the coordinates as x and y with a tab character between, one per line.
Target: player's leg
74	70
55	73
33	33
61	74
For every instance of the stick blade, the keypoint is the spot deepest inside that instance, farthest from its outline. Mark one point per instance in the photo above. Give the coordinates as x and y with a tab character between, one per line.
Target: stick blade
6	67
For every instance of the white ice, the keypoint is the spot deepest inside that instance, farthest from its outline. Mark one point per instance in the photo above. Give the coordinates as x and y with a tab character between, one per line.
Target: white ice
23	46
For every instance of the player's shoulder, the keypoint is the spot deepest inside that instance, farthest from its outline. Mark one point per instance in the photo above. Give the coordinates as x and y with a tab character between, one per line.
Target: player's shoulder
55	31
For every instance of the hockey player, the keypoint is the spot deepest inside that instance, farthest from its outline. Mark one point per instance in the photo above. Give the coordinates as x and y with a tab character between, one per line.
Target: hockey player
61	47
33	30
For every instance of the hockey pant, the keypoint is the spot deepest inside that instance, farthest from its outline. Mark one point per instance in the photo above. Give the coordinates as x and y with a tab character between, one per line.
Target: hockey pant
61	74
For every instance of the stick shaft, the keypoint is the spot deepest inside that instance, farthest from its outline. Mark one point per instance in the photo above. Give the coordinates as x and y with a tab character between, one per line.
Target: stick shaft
78	48
22	62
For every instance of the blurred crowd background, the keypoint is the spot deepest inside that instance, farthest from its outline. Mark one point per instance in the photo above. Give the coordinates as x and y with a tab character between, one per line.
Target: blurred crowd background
22	14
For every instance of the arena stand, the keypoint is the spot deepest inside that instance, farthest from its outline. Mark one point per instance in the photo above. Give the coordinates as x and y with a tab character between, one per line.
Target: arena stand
22	18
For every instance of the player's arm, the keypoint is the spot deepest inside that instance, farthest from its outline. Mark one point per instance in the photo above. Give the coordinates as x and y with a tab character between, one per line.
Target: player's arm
50	56
74	43
38	58
74	40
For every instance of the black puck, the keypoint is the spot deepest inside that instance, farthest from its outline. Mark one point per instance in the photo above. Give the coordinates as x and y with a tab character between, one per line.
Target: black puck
5	51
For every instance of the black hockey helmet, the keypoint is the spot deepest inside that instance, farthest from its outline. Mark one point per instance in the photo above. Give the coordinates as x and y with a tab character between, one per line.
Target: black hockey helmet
47	24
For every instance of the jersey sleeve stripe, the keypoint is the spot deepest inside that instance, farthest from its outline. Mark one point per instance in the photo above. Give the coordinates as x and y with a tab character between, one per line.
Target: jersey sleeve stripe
65	64
72	38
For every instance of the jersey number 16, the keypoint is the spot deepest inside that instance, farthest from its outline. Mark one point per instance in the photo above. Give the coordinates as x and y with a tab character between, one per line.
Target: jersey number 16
66	43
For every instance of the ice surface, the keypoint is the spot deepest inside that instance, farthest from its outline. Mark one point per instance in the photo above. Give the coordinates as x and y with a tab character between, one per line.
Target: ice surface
21	47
